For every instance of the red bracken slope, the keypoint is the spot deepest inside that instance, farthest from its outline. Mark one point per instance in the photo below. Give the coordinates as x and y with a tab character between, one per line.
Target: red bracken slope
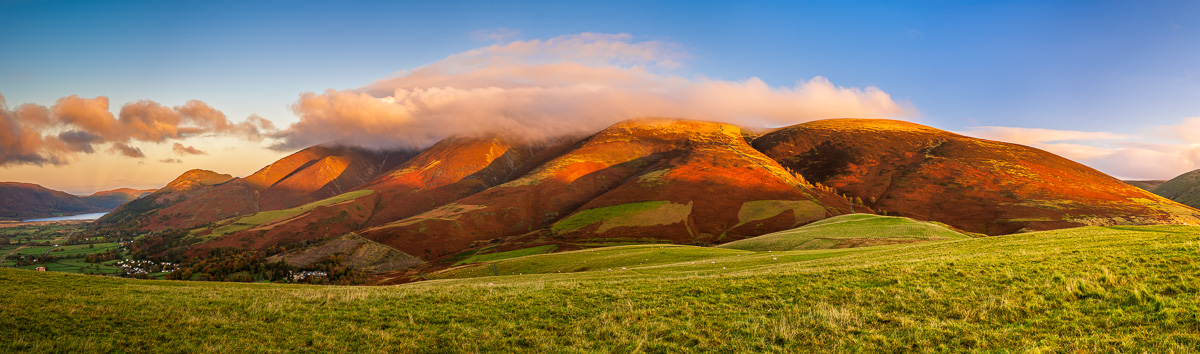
311	174
662	180
650	180
138	212
973	184
449	170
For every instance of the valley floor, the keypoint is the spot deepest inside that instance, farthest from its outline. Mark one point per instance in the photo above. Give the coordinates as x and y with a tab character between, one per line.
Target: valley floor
1085	289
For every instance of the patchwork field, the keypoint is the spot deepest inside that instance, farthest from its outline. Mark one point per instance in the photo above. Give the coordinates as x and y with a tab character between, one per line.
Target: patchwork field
32	232
1090	289
38	239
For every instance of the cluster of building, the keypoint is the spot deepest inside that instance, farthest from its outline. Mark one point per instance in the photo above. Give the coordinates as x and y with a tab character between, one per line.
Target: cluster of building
308	274
131	266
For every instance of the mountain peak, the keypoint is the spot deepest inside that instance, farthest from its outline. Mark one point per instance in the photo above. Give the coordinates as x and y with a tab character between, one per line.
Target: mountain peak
197	177
973	184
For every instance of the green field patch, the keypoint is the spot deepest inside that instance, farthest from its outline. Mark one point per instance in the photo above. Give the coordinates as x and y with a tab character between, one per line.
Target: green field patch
802	210
594	243
268	217
34	250
852	230
83	249
476	258
448	212
73	265
632	214
654	178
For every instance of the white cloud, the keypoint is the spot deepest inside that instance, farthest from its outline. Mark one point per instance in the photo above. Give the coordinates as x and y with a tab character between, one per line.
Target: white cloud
1030	136
495	34
1120	155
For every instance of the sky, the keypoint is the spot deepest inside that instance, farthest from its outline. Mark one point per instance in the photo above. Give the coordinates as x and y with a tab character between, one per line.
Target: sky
103	95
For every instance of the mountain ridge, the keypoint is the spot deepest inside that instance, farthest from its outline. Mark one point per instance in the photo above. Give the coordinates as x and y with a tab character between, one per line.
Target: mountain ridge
976	185
20	200
655	180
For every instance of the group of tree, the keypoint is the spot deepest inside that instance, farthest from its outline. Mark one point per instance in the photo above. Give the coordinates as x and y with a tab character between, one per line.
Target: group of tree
110	254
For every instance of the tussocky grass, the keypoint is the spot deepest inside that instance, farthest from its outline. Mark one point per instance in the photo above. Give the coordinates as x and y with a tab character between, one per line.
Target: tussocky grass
1083	289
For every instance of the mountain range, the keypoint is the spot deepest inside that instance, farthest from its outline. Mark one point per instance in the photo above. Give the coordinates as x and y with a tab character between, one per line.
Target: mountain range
639	181
29	201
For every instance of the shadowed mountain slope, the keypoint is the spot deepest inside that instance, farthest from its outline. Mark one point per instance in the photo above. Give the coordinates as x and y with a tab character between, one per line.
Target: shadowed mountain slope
972	184
113	198
1184	188
1146	184
27	200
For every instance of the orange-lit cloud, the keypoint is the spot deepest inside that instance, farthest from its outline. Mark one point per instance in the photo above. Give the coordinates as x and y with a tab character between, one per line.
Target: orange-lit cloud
567	85
34	134
124	149
181	150
1120	155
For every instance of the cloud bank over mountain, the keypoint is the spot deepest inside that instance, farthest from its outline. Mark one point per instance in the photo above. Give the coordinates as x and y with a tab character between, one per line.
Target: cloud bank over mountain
574	84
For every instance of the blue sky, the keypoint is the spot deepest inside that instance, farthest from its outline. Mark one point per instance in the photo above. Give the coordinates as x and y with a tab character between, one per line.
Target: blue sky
1122	68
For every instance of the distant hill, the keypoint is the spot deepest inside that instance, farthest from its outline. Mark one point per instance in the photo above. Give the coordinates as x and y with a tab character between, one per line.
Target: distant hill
30	201
1184	189
1146	184
845	231
114	198
975	185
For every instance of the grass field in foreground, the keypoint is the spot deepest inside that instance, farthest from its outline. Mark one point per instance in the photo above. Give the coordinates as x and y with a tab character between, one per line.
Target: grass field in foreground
1087	289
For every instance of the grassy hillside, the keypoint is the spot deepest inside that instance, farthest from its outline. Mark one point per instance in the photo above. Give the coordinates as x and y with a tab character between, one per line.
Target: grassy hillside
267	217
1086	289
599	259
1184	188
853	230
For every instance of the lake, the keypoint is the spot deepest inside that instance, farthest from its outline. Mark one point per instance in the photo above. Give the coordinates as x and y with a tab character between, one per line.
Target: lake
92	216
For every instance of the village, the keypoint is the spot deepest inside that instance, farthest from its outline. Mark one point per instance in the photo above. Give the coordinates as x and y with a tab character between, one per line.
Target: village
56	246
